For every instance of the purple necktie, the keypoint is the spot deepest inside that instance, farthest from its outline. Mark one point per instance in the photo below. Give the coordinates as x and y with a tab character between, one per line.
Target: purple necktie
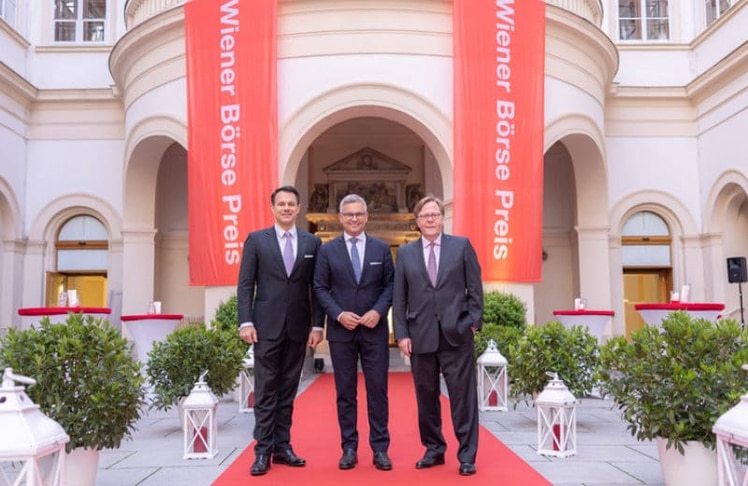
288	253
431	267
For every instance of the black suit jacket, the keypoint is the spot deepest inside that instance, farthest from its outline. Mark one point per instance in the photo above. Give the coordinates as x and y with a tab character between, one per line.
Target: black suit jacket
336	289
456	302
270	299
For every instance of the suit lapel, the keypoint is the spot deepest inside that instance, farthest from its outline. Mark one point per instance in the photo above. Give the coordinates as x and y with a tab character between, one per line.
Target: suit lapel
272	241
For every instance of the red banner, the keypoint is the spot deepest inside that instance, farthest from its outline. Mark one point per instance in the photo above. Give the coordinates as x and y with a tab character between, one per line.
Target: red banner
232	108
499	59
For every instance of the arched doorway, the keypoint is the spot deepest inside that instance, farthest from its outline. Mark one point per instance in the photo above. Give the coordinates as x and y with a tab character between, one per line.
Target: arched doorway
647	264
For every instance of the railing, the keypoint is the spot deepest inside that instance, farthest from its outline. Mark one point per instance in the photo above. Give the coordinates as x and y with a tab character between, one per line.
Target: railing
138	11
591	10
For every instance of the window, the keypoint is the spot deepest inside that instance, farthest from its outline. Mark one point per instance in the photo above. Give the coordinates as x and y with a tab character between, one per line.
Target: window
715	9
79	20
643	20
8	11
82	252
646	241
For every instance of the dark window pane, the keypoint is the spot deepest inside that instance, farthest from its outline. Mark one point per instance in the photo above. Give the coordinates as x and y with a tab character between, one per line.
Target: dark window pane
94	31
66	9
65	31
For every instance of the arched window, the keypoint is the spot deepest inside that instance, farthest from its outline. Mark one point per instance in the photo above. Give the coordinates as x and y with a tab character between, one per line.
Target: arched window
647	263
81	262
646	241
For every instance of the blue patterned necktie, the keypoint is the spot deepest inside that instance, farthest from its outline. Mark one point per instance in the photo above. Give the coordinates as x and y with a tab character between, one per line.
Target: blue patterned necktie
355	259
288	253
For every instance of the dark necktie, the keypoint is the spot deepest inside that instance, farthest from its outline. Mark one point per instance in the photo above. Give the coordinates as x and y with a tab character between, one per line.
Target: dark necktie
355	259
431	267
288	253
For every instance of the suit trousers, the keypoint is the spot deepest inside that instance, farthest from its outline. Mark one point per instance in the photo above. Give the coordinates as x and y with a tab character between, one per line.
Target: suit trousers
278	365
375	358
457	364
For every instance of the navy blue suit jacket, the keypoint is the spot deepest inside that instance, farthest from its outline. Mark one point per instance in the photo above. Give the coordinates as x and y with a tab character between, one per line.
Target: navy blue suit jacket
336	290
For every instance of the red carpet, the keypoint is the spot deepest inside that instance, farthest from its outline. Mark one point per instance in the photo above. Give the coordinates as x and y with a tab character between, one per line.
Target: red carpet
316	438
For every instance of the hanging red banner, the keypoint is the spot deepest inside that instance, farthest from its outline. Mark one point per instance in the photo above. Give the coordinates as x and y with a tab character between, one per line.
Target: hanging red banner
232	158
499	59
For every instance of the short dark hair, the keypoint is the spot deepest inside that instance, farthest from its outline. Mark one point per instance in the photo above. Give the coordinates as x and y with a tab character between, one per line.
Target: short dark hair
288	188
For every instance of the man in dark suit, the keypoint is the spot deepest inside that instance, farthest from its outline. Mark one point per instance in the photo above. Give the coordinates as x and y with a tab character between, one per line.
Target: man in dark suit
276	313
353	284
437	307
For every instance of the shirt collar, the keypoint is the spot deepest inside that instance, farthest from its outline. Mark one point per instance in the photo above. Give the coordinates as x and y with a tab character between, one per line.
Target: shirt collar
437	241
279	232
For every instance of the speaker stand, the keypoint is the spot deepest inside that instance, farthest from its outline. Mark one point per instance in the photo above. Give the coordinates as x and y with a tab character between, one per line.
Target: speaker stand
740	292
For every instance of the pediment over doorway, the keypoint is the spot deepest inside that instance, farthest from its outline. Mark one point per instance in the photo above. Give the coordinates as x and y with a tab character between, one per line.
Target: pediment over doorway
381	180
365	160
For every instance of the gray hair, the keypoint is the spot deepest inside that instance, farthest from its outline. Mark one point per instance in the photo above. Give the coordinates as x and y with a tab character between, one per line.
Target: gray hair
352	198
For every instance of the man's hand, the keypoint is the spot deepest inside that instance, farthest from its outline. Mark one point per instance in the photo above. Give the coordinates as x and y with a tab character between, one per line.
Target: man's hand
370	319
315	337
405	346
349	320
248	334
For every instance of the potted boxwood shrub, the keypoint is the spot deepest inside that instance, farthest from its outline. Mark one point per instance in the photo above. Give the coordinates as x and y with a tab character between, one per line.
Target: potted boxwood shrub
573	353
175	364
672	382
87	379
504	320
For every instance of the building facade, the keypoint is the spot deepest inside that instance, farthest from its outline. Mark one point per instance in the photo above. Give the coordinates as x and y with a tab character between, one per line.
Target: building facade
645	186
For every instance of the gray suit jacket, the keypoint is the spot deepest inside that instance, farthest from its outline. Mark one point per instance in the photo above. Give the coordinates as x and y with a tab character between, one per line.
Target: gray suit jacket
455	304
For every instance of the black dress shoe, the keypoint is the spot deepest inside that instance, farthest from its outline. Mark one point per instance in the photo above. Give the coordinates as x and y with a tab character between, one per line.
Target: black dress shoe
288	458
430	460
349	459
467	469
382	462
261	465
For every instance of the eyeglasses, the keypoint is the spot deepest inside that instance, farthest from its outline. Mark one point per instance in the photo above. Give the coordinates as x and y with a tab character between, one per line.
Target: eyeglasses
350	216
429	216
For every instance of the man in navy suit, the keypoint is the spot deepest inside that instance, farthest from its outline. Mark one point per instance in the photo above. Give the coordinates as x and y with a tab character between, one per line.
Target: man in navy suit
437	307
277	313
353	284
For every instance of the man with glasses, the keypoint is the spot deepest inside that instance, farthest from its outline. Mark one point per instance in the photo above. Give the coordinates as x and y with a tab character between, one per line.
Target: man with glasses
437	307
353	284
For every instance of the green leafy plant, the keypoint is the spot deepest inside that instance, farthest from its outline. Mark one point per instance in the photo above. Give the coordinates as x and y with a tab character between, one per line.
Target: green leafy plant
504	319
175	364
674	382
227	315
572	352
504	309
87	379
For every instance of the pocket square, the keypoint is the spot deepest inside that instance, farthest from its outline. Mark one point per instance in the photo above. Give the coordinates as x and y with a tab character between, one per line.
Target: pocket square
375	263
309	256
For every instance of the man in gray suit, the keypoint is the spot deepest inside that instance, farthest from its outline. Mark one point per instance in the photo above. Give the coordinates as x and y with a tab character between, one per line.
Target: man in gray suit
276	313
353	283
437	307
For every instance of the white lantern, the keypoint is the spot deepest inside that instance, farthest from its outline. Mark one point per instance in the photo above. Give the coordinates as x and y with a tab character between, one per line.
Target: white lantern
200	423
492	379
247	383
731	429
557	419
32	445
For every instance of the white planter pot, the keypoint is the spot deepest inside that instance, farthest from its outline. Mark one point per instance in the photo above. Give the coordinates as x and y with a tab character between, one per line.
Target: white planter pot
81	467
697	466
